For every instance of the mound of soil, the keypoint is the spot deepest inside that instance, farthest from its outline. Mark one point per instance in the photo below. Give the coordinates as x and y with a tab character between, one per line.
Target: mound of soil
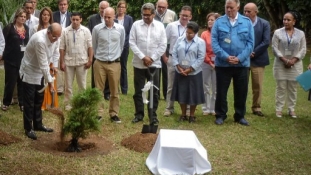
6	139
91	146
140	142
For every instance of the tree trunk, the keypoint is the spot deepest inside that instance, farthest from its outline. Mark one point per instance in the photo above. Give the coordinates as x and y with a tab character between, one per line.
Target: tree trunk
74	146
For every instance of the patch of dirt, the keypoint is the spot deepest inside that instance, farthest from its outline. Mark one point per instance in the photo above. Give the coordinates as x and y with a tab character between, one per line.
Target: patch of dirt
6	139
91	146
140	142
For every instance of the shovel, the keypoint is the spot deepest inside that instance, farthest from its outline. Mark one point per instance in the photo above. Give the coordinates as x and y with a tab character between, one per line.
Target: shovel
151	128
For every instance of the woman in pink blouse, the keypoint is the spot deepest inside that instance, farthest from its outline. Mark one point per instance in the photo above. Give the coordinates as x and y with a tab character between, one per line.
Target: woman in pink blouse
208	68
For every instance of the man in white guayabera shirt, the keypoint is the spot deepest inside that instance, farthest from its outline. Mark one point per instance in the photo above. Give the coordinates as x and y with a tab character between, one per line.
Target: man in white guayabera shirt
41	50
148	42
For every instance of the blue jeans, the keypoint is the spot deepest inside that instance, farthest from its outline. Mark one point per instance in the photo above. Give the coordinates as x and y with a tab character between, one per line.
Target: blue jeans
239	75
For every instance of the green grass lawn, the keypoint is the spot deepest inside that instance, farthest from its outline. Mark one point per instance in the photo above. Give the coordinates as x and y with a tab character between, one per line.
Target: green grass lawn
270	145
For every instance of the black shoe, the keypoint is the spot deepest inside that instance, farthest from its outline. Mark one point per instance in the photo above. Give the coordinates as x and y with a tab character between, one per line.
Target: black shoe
44	129
60	93
242	121
115	119
155	121
31	134
259	113
136	120
219	121
191	119
107	97
183	118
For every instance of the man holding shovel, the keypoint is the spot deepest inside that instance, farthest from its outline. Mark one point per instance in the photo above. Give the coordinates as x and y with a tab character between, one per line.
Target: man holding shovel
41	50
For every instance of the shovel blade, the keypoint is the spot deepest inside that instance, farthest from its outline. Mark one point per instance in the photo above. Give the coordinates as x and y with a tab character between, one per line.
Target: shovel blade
149	129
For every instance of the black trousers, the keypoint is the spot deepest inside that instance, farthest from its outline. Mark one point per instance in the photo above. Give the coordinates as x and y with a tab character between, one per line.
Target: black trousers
123	78
140	77
11	78
106	90
163	78
239	75
32	106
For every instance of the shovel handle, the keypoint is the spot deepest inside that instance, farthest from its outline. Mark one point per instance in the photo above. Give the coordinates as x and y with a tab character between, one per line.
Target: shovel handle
53	100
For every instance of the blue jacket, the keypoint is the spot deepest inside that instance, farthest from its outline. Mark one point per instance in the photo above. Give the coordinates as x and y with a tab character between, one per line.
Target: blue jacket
236	40
262	42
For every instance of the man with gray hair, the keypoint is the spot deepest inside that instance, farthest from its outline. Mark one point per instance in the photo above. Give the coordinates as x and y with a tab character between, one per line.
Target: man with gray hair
148	42
232	43
41	50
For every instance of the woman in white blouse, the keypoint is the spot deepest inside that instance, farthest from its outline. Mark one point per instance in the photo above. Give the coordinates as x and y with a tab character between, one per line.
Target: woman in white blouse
289	47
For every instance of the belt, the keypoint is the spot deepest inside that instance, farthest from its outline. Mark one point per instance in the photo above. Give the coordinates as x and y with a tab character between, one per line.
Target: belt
109	62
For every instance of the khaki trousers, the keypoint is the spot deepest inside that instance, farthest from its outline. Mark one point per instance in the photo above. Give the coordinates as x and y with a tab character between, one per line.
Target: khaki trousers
257	74
112	72
71	72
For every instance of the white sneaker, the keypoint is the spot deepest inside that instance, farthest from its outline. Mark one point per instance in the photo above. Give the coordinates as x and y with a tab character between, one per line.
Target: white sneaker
278	114
292	114
167	113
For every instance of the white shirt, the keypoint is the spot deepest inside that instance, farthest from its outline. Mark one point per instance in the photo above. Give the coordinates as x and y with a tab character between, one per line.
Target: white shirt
75	43
31	22
2	42
63	19
174	30
147	40
39	53
232	21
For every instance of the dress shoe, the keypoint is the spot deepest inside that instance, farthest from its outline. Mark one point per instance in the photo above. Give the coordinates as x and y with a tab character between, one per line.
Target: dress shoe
183	118
155	121
44	129
219	121
31	134
191	119
136	120
60	93
242	121
107	97
259	113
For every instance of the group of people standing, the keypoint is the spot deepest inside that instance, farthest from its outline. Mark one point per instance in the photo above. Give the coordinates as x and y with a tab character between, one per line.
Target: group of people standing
195	70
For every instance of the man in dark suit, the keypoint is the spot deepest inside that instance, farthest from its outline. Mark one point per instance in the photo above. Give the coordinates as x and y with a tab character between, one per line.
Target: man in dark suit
63	18
259	57
127	22
93	21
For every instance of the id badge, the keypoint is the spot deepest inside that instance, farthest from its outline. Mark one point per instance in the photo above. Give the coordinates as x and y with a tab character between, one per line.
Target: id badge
288	52
185	63
227	40
23	48
74	50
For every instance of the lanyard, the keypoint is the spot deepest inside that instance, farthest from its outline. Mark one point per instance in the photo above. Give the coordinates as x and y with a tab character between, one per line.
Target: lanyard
179	32
288	39
187	48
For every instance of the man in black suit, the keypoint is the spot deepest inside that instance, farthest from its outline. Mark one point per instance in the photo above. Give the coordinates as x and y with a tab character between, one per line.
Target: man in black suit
63	18
93	21
259	57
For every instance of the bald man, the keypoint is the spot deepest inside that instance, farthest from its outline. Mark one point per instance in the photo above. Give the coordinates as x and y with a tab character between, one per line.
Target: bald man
259	57
93	21
107	52
41	50
166	16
